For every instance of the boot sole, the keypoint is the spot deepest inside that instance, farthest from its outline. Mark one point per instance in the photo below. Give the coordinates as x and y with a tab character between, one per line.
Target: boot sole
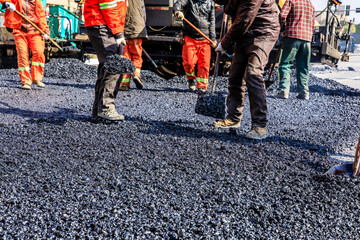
111	119
237	125
138	83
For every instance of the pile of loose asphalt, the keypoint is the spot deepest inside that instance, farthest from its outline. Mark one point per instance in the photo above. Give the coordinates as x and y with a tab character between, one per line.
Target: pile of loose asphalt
165	172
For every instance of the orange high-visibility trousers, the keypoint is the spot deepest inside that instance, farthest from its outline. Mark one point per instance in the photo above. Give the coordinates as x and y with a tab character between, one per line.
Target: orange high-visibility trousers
133	51
197	51
35	42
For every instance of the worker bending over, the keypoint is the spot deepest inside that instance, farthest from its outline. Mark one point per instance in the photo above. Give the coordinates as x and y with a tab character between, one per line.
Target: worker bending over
28	37
254	32
298	19
197	50
135	32
104	22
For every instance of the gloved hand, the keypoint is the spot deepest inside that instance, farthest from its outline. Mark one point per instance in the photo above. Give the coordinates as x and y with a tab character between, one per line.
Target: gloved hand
46	36
214	44
179	15
120	39
219	48
10	6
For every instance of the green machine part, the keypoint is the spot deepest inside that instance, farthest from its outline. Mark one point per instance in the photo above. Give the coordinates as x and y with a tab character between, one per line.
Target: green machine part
62	23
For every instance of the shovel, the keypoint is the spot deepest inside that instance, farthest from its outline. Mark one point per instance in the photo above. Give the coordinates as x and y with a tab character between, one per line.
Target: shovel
160	70
270	82
212	104
351	169
35	26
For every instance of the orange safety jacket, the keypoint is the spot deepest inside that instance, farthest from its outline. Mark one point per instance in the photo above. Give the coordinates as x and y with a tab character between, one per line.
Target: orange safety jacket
13	20
106	12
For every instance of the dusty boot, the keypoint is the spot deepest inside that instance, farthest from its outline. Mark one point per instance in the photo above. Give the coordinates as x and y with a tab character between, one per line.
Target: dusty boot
124	88
303	96
40	84
282	95
191	84
111	114
201	91
26	86
139	84
226	123
257	133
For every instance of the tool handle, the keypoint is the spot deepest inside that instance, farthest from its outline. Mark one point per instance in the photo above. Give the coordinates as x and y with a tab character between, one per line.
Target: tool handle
148	56
277	56
200	32
121	50
35	26
356	164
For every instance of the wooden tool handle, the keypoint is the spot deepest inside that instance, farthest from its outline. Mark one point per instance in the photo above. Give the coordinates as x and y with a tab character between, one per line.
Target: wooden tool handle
200	32
35	26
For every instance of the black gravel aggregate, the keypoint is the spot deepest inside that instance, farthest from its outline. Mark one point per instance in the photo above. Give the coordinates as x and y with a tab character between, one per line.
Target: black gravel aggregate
165	172
117	64
211	104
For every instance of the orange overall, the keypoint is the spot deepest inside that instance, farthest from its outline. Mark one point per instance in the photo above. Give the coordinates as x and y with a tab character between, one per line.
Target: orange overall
197	51
133	51
26	36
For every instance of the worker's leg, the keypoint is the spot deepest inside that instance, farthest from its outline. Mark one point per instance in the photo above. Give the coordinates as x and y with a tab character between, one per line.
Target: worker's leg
288	52
204	56
136	58
189	57
235	98
37	46
258	56
302	68
107	84
22	49
125	82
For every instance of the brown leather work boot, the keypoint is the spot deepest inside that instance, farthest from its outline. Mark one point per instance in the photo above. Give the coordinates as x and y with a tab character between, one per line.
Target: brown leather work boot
226	123
191	84
256	133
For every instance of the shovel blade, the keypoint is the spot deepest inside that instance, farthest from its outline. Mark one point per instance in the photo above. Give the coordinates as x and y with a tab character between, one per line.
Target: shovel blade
341	169
165	73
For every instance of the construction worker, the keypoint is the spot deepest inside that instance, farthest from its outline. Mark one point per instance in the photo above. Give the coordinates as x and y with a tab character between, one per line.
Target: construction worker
254	32
135	32
104	22
298	19
197	50
28	37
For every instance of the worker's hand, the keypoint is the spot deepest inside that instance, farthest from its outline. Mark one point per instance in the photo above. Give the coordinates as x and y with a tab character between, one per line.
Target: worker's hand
214	44
120	39
219	48
179	15
10	6
46	36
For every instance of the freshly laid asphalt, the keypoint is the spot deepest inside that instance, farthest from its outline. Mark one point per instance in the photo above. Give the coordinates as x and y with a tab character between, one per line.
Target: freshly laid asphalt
165	172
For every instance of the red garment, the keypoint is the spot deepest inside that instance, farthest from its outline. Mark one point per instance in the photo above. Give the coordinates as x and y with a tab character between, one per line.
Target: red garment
35	42
13	20
106	12
197	52
299	16
133	51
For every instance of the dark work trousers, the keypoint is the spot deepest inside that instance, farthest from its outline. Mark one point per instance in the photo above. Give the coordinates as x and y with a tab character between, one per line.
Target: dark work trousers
247	68
107	84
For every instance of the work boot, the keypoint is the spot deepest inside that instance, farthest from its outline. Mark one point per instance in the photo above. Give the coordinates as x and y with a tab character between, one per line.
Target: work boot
139	84
226	123
201	91
303	96
124	88
112	115
26	86
257	133
191	84
40	84
282	95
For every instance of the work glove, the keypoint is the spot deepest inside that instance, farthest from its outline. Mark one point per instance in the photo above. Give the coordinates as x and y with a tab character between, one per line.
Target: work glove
179	15
120	39
219	48
10	6
214	44
46	36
